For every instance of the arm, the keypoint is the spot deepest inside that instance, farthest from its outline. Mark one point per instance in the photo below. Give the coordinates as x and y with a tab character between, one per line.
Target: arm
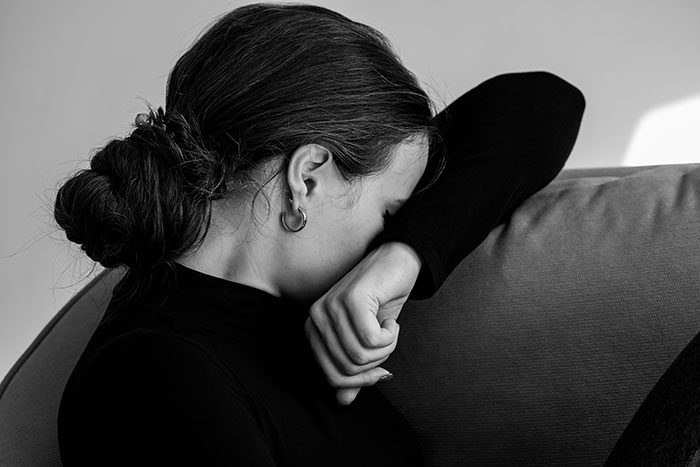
504	140
159	400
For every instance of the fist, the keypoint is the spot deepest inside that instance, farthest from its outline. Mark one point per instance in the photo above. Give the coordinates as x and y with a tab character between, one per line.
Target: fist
353	327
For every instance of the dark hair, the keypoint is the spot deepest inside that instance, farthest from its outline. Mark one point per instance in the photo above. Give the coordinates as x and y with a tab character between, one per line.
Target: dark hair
260	82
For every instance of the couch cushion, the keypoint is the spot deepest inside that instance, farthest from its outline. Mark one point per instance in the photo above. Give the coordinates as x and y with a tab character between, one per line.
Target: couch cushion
543	342
31	391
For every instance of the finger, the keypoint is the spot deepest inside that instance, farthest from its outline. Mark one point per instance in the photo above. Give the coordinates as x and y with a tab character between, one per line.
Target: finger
355	351
363	317
355	357
340	358
346	396
327	331
333	376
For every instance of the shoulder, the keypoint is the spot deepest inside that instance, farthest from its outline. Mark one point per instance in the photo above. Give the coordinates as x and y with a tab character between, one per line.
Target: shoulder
157	359
147	381
140	344
165	400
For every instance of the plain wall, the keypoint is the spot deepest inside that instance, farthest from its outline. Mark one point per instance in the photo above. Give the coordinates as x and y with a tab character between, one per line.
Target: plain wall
72	73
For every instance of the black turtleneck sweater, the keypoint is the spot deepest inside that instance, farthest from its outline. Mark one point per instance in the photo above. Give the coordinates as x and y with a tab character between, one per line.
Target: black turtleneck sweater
205	371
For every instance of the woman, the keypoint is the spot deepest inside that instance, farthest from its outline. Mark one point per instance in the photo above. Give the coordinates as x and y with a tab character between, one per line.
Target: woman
251	217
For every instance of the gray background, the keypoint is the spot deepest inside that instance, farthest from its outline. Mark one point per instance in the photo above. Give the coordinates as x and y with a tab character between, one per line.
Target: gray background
72	75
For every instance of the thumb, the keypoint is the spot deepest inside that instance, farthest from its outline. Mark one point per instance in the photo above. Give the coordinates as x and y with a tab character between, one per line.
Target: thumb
389	331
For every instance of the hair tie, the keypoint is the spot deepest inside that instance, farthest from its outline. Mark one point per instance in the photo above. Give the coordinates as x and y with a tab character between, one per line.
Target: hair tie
142	119
151	118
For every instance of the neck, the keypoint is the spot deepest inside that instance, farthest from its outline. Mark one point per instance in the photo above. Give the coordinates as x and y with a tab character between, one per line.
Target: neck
239	250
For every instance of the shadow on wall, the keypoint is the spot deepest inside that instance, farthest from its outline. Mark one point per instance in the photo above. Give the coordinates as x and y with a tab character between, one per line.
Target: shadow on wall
669	134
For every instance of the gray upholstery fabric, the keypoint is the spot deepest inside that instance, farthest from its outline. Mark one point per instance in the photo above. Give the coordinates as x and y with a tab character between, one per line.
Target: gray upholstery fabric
31	391
536	351
543	342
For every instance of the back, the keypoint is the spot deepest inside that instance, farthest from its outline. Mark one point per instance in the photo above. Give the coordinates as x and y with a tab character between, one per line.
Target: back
212	372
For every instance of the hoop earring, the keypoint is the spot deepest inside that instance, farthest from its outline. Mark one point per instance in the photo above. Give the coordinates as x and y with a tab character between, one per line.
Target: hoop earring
303	220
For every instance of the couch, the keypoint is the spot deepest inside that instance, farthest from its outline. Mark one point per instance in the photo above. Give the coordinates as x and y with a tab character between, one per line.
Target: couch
537	350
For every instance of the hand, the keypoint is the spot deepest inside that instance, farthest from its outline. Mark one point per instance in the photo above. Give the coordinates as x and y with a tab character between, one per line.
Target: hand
352	328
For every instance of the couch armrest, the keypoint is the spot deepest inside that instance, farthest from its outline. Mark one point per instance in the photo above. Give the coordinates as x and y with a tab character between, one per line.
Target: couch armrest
544	341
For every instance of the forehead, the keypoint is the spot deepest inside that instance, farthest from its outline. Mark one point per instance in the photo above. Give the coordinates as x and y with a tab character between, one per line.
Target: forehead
398	180
408	162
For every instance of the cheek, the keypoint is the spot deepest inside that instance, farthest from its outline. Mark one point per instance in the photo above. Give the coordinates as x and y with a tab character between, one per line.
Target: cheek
352	232
336	245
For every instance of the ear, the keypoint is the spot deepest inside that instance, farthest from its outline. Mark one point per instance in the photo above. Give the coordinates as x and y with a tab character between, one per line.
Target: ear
308	173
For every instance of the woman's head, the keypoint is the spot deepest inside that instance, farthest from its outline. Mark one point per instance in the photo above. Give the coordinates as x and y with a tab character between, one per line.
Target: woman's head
264	87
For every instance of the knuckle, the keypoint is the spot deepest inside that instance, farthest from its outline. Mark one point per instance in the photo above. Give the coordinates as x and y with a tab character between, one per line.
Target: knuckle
353	298
370	340
337	301
348	370
334	380
315	309
336	309
333	301
334	313
316	313
359	358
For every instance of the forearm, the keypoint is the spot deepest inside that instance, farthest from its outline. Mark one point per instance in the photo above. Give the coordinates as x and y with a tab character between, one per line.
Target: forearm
505	140
404	254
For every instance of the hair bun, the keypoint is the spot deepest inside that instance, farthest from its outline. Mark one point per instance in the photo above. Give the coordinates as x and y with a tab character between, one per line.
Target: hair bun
92	216
96	207
145	198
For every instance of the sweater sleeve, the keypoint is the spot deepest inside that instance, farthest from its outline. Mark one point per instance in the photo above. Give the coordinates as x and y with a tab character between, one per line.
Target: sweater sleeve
503	141
157	399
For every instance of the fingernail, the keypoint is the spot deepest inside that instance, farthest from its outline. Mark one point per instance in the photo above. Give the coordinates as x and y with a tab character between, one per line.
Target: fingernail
385	378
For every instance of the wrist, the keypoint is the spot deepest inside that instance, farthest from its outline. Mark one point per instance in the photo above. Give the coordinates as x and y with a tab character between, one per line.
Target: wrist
405	254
